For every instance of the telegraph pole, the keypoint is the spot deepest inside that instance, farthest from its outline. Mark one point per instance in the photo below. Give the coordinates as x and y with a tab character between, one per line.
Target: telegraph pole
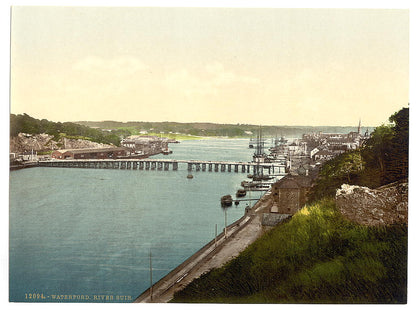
249	196
215	235
225	221
151	275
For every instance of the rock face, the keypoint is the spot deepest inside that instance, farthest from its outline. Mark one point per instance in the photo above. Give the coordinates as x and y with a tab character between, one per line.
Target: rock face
43	142
385	205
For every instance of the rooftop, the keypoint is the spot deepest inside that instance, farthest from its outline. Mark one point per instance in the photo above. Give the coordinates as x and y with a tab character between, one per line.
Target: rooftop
107	149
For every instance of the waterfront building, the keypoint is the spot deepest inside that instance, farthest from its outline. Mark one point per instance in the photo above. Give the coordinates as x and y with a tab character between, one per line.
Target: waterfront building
103	153
290	193
145	145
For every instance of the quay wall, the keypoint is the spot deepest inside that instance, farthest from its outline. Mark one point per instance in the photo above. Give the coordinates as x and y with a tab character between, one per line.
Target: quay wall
240	223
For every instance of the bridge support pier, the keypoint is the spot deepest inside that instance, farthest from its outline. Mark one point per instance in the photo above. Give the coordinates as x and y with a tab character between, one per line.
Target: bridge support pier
159	165
147	163
189	167
216	167
222	167
153	165
175	166
243	168
204	167
236	168
135	165
197	167
209	167
229	167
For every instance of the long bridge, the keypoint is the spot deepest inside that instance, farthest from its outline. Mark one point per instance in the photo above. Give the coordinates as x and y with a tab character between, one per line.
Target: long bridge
275	168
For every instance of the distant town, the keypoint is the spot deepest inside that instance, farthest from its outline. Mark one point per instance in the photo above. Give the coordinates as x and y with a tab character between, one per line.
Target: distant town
300	154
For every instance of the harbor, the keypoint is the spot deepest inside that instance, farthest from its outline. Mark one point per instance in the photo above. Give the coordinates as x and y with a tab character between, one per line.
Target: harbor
102	223
177	209
227	245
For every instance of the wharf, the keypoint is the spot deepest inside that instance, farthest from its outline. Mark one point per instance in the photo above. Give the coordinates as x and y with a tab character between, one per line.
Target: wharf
275	168
215	254
29	164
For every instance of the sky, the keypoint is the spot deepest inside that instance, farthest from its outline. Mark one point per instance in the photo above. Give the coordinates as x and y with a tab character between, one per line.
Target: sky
224	65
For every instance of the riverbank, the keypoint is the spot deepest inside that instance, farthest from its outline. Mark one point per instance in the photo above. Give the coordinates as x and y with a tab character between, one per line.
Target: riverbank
215	254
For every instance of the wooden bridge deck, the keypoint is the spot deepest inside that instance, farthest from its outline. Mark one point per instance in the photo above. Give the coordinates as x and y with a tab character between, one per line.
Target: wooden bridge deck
164	164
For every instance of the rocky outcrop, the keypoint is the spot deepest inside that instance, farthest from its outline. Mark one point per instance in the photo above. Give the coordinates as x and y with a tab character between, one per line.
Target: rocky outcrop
24	142
385	205
272	219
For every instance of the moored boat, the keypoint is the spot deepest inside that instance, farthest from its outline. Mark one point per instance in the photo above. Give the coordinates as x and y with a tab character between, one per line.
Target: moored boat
241	193
226	201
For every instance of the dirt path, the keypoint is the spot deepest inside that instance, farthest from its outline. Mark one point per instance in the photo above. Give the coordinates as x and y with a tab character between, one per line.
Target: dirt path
213	255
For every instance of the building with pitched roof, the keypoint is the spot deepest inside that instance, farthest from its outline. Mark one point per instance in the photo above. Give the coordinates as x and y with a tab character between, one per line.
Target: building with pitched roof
290	193
102	153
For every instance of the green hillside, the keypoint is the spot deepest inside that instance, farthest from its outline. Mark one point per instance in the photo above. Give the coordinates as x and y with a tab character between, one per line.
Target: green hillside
213	130
317	257
27	124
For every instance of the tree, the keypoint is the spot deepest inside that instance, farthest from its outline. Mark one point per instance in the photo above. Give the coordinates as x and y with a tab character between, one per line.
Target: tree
398	163
378	148
345	168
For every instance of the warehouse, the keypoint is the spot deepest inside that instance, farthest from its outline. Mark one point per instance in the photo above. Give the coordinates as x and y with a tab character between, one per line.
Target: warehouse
103	153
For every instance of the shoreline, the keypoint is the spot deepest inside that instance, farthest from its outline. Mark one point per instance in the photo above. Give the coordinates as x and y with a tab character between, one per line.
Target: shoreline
214	254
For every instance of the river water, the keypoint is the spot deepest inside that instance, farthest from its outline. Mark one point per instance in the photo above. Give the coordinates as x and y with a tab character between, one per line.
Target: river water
87	233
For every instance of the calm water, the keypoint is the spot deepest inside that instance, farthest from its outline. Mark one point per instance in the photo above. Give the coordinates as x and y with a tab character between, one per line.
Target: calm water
89	232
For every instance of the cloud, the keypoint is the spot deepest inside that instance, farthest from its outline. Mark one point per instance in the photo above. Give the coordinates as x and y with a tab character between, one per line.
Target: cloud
222	77
119	66
95	76
188	84
210	81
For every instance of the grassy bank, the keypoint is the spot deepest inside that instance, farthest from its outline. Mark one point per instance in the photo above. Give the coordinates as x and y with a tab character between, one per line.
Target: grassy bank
317	257
179	137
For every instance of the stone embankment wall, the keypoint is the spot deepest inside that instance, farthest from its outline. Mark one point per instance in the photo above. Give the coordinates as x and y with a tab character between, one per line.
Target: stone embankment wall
385	205
43	142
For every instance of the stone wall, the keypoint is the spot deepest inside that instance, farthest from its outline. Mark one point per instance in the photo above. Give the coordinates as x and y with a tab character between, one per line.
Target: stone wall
385	205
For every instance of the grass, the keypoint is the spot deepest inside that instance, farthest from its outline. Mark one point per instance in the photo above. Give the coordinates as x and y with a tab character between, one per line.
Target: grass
179	137
317	257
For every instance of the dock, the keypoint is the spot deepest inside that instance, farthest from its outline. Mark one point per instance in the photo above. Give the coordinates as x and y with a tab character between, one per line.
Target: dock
214	254
274	168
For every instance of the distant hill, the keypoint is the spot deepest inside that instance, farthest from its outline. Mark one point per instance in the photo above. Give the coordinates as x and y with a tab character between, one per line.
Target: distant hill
211	129
111	132
23	123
